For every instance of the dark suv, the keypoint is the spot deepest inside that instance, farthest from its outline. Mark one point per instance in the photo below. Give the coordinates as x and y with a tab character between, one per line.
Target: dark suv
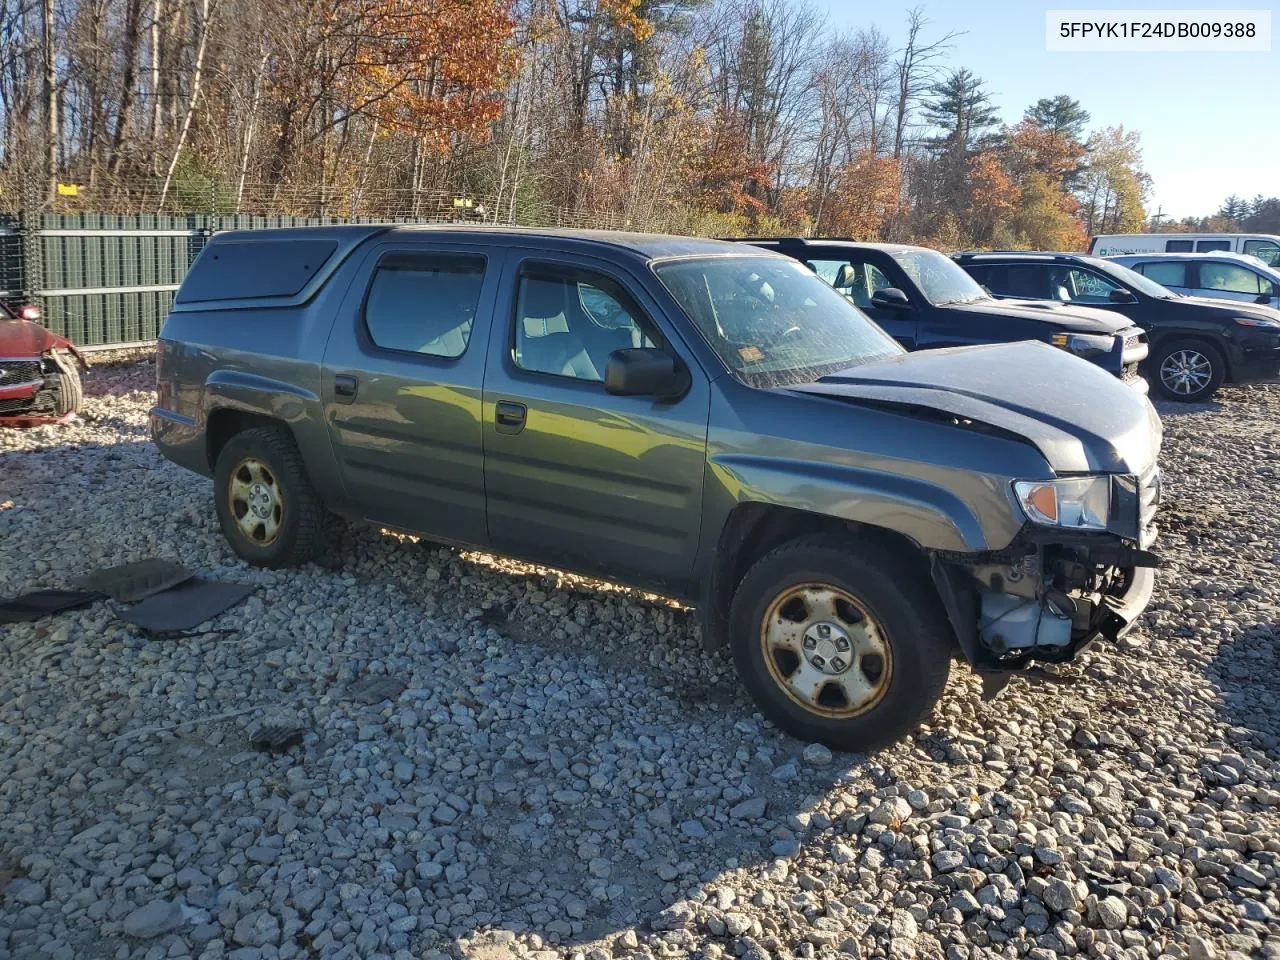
1196	344
702	419
923	300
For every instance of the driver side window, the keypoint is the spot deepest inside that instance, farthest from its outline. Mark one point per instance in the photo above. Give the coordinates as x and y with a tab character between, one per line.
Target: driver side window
1083	286
567	325
857	280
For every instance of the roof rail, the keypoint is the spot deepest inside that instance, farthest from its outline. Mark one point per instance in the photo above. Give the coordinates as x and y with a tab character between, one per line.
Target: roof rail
1042	254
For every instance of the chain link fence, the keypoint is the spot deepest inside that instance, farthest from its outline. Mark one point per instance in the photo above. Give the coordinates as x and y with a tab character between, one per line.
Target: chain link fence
106	279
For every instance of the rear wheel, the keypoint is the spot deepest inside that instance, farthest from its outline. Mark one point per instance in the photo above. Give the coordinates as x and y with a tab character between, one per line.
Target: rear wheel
1187	370
268	510
840	642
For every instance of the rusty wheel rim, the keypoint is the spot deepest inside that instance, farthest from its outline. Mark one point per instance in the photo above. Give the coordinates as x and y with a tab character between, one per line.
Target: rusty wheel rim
825	651
256	500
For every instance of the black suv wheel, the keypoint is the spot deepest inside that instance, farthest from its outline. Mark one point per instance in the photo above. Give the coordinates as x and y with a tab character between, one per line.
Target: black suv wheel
1188	370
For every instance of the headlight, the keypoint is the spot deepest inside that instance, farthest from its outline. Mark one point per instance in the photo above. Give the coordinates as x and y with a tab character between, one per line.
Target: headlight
1078	502
1084	344
1258	322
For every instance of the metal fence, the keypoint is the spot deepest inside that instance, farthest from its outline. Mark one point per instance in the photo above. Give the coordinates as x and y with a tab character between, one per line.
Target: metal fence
107	280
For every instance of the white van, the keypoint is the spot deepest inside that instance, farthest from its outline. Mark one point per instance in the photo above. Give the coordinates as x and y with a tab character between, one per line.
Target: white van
1264	246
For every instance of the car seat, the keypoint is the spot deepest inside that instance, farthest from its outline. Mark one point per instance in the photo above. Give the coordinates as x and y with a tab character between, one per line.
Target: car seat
544	342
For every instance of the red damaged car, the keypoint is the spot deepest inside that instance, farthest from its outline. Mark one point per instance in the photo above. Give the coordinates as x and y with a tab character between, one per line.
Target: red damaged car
39	379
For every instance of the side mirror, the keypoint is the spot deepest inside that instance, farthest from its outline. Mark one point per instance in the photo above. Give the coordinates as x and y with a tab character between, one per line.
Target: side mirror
30	312
1264	298
1120	295
844	277
890	298
644	372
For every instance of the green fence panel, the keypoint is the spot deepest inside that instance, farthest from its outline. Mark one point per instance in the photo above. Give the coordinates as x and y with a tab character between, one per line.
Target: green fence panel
126	264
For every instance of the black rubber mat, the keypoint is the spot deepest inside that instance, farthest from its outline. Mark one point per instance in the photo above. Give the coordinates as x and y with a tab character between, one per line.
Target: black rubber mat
186	605
130	582
42	603
276	737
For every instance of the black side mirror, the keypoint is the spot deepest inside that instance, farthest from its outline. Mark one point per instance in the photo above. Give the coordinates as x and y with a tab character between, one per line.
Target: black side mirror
645	372
890	298
1264	298
1120	295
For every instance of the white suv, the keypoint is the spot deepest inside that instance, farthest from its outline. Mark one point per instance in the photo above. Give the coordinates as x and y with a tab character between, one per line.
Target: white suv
1219	276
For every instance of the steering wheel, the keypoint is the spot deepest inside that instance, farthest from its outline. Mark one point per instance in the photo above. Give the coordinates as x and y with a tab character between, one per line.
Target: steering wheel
786	334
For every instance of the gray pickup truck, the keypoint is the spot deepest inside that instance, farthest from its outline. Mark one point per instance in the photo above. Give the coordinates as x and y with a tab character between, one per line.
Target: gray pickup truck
701	419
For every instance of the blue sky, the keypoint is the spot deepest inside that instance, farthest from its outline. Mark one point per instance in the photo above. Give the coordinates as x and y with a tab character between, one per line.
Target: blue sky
1210	122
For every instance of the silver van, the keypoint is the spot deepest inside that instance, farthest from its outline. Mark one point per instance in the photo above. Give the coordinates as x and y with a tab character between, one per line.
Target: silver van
1218	276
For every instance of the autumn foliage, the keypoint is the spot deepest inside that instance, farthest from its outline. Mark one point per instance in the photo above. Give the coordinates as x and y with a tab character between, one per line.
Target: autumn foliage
714	116
435	69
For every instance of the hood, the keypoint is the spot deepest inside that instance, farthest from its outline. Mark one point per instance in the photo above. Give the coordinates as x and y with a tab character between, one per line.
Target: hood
20	339
1059	316
1081	418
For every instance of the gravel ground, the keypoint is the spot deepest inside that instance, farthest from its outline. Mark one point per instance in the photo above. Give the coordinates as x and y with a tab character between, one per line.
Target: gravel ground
566	773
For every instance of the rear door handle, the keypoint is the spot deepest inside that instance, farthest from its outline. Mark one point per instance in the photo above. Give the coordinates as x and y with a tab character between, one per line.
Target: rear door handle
345	388
510	416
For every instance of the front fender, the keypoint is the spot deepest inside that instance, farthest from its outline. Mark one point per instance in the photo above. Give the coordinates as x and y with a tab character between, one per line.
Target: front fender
930	515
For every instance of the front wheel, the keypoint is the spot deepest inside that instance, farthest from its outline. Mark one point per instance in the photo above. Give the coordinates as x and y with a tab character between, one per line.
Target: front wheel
68	392
1187	370
840	642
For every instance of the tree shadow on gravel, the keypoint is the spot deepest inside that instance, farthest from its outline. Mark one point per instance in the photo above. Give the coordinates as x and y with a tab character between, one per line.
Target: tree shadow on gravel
1245	673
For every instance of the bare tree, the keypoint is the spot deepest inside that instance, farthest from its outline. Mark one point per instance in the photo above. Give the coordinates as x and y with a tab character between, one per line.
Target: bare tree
193	102
916	67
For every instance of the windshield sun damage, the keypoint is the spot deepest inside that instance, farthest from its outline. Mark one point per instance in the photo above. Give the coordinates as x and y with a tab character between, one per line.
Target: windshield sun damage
771	321
942	282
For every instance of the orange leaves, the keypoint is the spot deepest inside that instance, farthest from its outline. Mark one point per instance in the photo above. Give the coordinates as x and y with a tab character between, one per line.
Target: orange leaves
436	69
865	195
728	179
1036	149
992	191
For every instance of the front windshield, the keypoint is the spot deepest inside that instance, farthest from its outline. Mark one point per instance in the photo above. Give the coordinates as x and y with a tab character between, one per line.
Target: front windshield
1133	280
771	321
942	282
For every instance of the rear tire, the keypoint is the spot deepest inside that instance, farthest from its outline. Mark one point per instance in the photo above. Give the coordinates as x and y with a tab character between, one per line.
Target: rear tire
267	507
1187	370
840	642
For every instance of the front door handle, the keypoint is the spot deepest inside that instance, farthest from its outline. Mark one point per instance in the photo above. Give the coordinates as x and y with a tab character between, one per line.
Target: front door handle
345	388
510	416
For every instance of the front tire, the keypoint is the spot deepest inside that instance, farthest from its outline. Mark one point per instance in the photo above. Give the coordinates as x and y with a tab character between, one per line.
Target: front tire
1187	370
840	642
267	507
68	392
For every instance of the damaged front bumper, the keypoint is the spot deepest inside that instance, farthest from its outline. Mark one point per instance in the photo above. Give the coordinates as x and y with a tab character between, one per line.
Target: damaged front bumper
1043	601
28	390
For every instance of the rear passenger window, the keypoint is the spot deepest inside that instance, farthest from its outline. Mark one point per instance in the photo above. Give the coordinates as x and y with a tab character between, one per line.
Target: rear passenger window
424	303
1030	282
1229	278
1165	274
1177	246
1208	246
